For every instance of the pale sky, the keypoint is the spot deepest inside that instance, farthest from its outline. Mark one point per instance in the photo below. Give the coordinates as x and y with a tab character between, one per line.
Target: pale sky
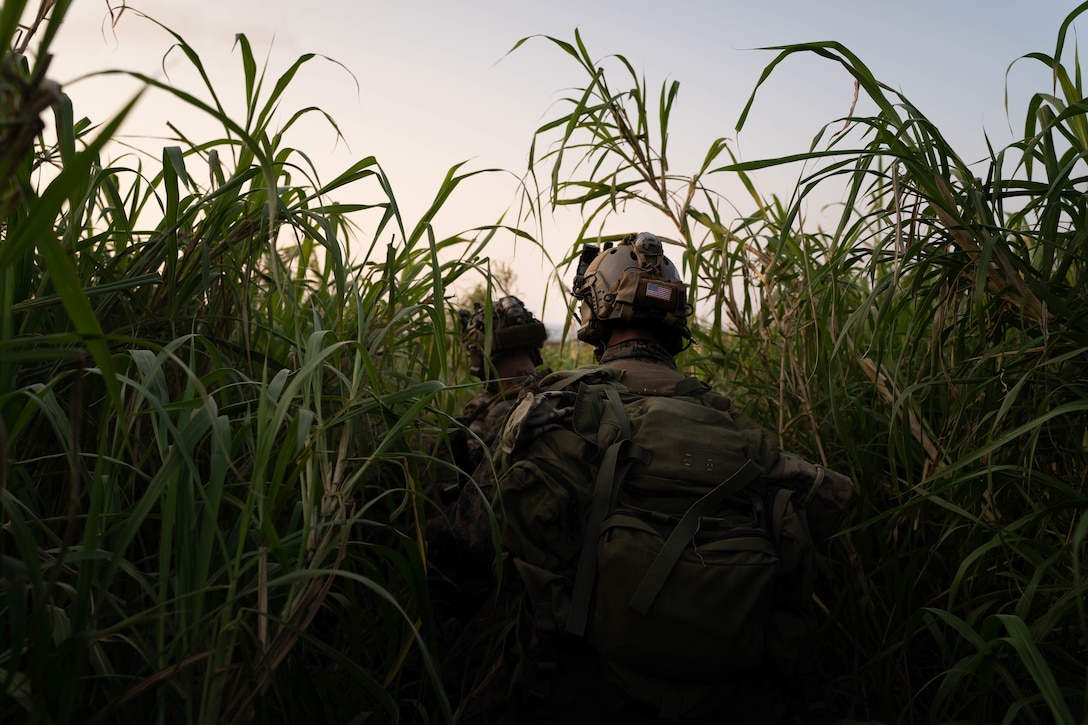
436	87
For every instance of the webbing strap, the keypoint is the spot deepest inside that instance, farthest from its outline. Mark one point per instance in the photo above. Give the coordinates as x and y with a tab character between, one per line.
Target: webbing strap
781	501
539	679
617	410
617	461
674	546
568	379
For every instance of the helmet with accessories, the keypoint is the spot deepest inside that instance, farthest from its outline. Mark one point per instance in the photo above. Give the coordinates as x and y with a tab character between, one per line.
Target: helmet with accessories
513	330
631	283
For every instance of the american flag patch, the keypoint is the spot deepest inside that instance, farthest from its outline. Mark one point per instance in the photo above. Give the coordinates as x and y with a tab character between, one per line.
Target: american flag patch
658	292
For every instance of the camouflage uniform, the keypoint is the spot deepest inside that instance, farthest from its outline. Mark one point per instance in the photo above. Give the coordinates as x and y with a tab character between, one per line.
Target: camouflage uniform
511	331
460	556
484	413
462	538
580	691
649	370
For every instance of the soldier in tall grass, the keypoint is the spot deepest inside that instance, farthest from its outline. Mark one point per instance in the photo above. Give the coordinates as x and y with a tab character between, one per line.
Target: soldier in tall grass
505	353
657	545
504	344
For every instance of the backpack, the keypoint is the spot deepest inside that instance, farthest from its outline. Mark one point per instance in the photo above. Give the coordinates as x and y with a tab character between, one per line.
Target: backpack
643	526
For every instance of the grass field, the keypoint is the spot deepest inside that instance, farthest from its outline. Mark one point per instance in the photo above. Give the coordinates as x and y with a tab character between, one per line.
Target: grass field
211	482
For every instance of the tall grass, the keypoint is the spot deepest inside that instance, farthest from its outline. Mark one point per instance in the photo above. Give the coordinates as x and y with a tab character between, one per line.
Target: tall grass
932	345
207	408
212	393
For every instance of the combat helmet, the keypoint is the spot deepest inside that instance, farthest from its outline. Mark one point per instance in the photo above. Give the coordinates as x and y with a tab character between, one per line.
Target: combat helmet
513	330
633	282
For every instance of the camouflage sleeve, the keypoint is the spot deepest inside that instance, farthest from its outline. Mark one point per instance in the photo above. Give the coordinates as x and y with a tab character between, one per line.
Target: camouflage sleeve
827	494
471	518
461	550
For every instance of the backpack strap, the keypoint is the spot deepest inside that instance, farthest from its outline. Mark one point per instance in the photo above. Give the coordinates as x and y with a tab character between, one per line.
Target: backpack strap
589	374
617	461
690	386
538	678
674	546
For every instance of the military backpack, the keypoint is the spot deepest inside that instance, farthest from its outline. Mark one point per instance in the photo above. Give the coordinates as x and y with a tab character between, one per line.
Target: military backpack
645	526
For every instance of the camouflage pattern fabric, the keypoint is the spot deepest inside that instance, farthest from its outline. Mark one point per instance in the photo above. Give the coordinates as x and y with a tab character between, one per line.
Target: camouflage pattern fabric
463	529
461	551
581	692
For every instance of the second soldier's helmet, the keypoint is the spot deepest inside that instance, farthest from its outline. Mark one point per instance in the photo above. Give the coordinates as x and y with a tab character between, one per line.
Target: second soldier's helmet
632	282
513	330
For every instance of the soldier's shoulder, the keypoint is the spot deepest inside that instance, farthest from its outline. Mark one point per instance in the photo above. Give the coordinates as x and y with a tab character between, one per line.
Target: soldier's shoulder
479	405
535	414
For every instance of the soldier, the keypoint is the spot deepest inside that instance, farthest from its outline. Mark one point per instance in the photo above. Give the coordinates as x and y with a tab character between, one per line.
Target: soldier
505	353
663	545
509	366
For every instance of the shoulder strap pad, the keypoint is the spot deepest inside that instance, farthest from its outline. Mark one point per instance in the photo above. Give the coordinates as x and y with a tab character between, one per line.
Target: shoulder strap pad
590	374
693	387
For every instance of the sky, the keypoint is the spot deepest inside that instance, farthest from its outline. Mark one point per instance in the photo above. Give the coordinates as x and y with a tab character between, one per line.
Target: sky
428	84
